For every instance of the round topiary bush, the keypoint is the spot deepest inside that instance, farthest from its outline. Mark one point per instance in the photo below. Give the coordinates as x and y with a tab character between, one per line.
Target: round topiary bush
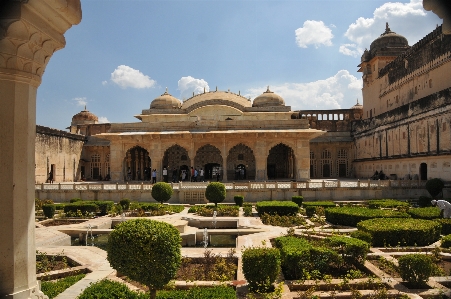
446	241
298	200
215	192
125	203
261	266
424	201
435	187
161	192
239	200
146	251
49	210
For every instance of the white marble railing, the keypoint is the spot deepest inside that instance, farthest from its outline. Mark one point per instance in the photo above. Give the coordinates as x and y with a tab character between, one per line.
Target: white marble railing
316	184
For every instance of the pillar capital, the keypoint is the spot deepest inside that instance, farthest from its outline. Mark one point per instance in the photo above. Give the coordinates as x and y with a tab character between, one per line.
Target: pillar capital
30	32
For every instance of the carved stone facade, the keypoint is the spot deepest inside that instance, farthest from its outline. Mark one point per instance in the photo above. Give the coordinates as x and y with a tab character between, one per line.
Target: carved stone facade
407	113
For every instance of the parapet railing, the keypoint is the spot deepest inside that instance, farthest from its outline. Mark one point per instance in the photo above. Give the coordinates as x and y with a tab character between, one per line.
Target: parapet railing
313	185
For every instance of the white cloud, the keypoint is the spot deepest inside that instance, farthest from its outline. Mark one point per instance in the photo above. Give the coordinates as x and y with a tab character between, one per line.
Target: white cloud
104	83
408	19
103	120
314	33
80	101
125	76
188	85
351	50
338	91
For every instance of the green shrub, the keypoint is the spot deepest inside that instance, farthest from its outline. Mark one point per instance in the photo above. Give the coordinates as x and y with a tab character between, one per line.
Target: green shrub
215	192
60	206
215	292
297	200
261	266
424	201
83	207
107	289
146	251
49	210
361	235
125	203
280	208
435	187
247	210
39	202
299	257
446	225
162	192
350	216
239	200
387	204
446	241
105	206
398	231
351	249
311	206
221	210
54	288
284	221
425	213
75	200
416	269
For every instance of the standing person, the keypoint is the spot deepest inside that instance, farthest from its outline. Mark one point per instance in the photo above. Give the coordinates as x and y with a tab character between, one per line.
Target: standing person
202	177
165	174
444	206
192	174
195	174
217	175
154	176
50	179
174	175
129	174
183	175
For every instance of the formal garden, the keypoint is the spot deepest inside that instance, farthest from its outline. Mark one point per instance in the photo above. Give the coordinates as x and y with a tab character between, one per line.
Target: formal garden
381	248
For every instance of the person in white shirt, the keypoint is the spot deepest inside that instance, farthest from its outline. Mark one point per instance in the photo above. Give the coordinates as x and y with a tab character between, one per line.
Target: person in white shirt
444	206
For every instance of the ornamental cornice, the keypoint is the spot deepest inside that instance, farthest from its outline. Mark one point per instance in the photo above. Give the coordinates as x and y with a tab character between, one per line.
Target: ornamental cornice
30	32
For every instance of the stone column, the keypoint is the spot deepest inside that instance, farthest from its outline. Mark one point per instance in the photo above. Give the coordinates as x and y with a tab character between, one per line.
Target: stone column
31	31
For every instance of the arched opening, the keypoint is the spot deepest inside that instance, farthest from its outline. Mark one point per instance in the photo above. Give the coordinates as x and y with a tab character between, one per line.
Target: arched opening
137	164
281	163
326	163
423	171
209	158
176	159
241	163
342	163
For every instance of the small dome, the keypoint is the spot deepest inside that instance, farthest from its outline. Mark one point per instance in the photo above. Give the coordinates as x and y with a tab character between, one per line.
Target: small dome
84	117
268	99
389	40
357	106
165	101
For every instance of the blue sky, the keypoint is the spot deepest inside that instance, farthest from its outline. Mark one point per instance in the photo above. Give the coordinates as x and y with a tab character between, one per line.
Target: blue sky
125	53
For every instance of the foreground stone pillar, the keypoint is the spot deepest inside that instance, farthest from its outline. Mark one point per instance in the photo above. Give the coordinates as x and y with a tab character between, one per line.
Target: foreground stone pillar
30	32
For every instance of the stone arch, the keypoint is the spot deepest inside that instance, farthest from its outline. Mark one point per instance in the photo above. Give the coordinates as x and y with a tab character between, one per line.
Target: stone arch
209	158
280	163
137	164
176	159
241	163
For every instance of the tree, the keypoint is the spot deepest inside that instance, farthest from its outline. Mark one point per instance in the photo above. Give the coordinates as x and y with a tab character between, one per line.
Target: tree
147	251
435	187
161	192
215	192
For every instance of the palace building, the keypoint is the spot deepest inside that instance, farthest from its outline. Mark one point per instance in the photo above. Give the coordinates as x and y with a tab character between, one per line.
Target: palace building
402	128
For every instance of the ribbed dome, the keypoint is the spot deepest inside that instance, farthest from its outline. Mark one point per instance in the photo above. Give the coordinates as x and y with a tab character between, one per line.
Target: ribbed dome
84	117
357	106
388	39
268	99
165	101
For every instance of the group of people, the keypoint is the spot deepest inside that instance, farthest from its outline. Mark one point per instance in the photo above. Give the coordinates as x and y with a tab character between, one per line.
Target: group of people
194	175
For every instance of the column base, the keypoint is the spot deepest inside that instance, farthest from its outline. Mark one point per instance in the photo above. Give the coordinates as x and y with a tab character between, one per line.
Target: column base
32	293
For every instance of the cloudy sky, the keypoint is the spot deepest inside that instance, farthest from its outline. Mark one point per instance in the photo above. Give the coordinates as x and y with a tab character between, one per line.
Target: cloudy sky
125	53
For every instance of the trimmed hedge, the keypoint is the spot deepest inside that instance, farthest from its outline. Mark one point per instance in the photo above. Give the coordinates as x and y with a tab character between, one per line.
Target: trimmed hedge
104	206
424	201
215	292
125	203
297	200
281	208
350	248
416	269
446	225
82	206
299	256
350	216
239	200
310	207
261	267
54	288
397	231
446	241
387	204
425	213
49	210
